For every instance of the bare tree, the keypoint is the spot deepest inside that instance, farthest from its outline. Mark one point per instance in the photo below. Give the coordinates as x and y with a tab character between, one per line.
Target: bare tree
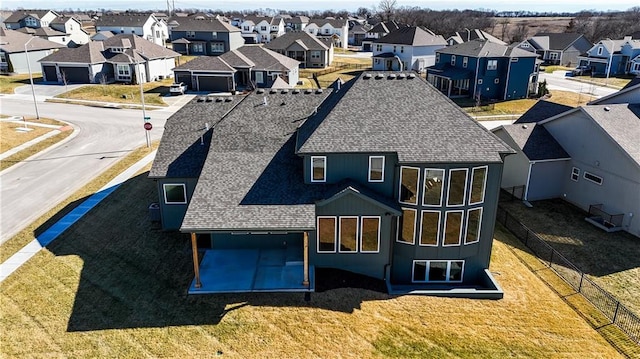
387	9
63	74
504	23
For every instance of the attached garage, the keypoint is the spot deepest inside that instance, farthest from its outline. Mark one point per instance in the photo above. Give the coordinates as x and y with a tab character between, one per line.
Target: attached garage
50	73
78	75
184	77
214	83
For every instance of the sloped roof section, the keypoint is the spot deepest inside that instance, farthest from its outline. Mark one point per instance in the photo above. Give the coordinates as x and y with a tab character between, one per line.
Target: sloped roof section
306	40
206	63
202	24
259	58
555	41
536	142
484	48
90	53
542	110
622	123
12	41
147	49
410	118
124	19
414	36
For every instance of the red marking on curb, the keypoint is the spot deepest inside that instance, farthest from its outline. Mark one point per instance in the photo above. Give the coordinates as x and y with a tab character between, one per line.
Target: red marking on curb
65	128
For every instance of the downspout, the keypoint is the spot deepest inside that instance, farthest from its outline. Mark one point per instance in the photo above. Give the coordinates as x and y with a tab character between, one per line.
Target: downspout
526	189
399	62
506	85
475	79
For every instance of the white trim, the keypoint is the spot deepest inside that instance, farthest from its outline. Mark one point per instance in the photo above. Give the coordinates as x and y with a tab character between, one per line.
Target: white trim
427	265
335	234
441	186
184	192
399	227
340	218
362	218
369	174
464	194
584	175
437	229
324	169
526	186
444	234
417	185
466	226
574	172
484	184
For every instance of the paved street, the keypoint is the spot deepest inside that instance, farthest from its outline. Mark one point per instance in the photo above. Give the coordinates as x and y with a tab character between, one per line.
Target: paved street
102	137
558	81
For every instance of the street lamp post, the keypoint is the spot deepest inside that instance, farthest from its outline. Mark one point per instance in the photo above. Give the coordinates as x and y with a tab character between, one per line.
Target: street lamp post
144	113
33	92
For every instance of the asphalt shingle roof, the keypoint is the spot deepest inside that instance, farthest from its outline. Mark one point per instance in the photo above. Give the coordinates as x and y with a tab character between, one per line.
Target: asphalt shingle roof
542	110
259	58
555	41
406	116
414	36
308	41
484	48
18	15
536	142
125	19
206	63
41	31
90	53
12	41
202	24
336	23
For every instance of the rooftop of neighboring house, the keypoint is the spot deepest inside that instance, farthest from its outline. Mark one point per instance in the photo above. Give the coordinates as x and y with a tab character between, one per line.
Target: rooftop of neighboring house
302	38
385	27
554	41
18	15
335	23
89	53
206	63
414	36
62	19
359	29
298	20
257	19
484	48
123	19
258	58
103	33
462	36
41	31
535	141
542	110
201	24
12	41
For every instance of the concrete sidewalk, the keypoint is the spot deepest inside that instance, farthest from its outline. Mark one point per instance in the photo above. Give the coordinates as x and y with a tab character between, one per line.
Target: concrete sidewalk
28	251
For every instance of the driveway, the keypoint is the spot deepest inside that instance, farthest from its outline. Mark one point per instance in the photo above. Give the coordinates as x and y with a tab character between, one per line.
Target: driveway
46	90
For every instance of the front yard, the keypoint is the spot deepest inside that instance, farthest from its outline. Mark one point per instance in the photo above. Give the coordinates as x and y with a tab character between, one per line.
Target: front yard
129	94
111	286
9	83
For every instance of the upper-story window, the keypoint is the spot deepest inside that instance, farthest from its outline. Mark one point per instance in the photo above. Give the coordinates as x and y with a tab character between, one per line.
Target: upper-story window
214	35
245	28
453	60
315	54
465	62
217	47
378	48
318	169
474	220
174	193
525	45
394	48
478	184
376	168
457	186
600	50
432	195
409	179
437	57
30	21
492	64
263	28
401	49
407	226
191	34
326	31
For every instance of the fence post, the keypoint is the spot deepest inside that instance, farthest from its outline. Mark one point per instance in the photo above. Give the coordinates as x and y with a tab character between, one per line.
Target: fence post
526	238
615	314
551	259
580	285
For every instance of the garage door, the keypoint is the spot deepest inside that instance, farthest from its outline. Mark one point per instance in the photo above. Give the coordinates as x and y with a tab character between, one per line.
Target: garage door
50	73
184	77
214	83
75	75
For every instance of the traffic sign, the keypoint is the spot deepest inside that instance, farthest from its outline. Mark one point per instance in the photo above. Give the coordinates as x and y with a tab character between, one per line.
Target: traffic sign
147	118
148	126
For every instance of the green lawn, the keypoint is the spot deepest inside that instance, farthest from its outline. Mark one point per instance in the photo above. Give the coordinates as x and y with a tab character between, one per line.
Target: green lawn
9	83
112	286
130	94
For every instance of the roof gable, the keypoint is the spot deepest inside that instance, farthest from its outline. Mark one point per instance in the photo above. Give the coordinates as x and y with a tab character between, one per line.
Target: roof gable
414	36
304	39
535	142
12	41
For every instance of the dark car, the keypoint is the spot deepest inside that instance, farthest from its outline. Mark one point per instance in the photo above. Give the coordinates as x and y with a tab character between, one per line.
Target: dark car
581	71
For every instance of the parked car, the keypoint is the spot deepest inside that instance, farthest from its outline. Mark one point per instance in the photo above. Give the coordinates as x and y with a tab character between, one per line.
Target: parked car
178	88
581	71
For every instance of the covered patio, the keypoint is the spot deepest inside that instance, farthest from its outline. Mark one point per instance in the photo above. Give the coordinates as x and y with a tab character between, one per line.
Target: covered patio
451	81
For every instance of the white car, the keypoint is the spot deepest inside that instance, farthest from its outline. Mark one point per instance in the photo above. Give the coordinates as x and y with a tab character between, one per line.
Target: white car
178	88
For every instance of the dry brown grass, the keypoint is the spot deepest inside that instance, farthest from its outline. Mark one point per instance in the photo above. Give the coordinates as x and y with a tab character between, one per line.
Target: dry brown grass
130	94
9	83
11	138
36	148
614	82
518	107
533	25
112	287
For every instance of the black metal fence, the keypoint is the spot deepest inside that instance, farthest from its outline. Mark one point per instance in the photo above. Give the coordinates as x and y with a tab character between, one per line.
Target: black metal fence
613	220
613	310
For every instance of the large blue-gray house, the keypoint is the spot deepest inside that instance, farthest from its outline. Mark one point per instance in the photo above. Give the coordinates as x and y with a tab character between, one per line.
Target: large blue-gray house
480	68
199	35
381	176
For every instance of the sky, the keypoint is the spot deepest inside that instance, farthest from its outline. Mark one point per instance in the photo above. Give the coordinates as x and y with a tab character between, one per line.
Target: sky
352	5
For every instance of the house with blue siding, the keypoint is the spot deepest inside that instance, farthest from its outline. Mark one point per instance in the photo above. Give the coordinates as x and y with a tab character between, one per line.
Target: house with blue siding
200	35
276	183
407	48
484	69
613	57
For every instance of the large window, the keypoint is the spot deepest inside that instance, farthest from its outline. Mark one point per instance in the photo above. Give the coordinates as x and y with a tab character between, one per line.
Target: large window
492	64
378	48
409	179
348	234
437	271
217	47
474	219
318	169
432	195
326	234
457	186
315	54
592	178
197	48
191	34
407	226
174	193
430	228
124	71
452	228
478	184
370	234
376	168
259	77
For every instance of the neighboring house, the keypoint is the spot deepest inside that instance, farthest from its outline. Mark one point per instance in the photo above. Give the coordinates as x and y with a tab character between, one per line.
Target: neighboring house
260	29
47	33
407	48
378	31
480	68
30	18
71	26
303	47
468	35
121	58
557	48
335	29
102	35
296	23
146	26
248	66
600	172
14	59
203	36
275	184
614	57
357	34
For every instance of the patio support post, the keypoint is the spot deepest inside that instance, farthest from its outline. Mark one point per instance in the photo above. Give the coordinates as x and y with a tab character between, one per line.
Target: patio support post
305	265
196	267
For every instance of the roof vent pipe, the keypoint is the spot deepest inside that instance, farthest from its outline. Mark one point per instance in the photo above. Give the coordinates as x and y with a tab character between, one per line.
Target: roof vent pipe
607	108
264	101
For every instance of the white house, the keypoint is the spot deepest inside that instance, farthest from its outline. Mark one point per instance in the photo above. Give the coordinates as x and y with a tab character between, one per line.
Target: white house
407	48
72	27
260	29
146	26
336	29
